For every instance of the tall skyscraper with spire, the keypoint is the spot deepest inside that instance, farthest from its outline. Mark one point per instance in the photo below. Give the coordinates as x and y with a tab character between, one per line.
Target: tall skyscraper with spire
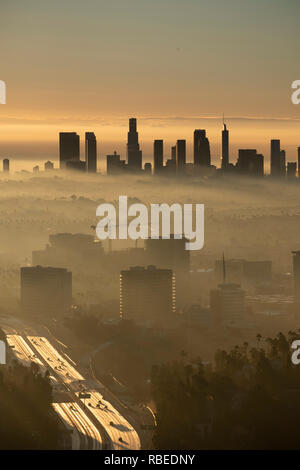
134	154
225	147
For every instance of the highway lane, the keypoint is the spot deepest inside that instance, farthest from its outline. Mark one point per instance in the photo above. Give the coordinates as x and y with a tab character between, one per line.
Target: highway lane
120	432
85	434
69	423
115	424
22	350
82	427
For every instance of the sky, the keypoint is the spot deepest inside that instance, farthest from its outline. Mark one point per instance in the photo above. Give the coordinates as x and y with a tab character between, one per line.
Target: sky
175	65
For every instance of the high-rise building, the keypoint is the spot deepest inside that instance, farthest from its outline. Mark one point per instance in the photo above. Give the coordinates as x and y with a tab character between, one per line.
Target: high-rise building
36	169
77	165
181	155
168	253
134	154
48	165
114	164
227	304
238	270
91	152
78	252
296	274
6	165
277	160
291	170
147	294
225	148
69	148
201	148
158	156
282	169
298	162
250	163
46	290
173	153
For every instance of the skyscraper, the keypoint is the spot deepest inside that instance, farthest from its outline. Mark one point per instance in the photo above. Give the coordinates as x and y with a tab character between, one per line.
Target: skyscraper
227	304
298	162
250	163
168	253
114	164
173	153
147	294
282	163
134	153
158	156
69	148
6	165
278	167
201	148
91	152
225	148
291	170
181	155
46	290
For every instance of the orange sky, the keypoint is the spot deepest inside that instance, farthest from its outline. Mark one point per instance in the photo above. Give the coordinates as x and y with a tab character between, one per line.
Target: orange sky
174	65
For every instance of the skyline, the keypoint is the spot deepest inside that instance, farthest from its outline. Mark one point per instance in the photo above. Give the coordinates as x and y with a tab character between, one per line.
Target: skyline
71	155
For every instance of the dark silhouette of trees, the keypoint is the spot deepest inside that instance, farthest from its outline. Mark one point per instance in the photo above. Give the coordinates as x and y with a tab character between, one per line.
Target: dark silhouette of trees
27	420
247	400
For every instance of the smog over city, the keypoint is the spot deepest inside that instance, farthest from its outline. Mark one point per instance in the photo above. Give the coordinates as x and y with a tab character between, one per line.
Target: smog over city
149	228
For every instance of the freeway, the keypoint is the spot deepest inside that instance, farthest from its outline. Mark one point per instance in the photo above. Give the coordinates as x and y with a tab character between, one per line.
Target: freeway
22	351
121	435
84	434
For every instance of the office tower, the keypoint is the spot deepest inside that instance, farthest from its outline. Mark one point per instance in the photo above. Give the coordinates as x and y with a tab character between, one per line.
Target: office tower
6	165
250	163
69	148
158	156
258	166
46	290
170	168
79	252
134	154
238	270
168	253
114	164
296	274
173	153
201	148
282	169
278	168
148	168
91	152
36	169
227	304
48	166
291	170
225	148
147	294
181	155
77	165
